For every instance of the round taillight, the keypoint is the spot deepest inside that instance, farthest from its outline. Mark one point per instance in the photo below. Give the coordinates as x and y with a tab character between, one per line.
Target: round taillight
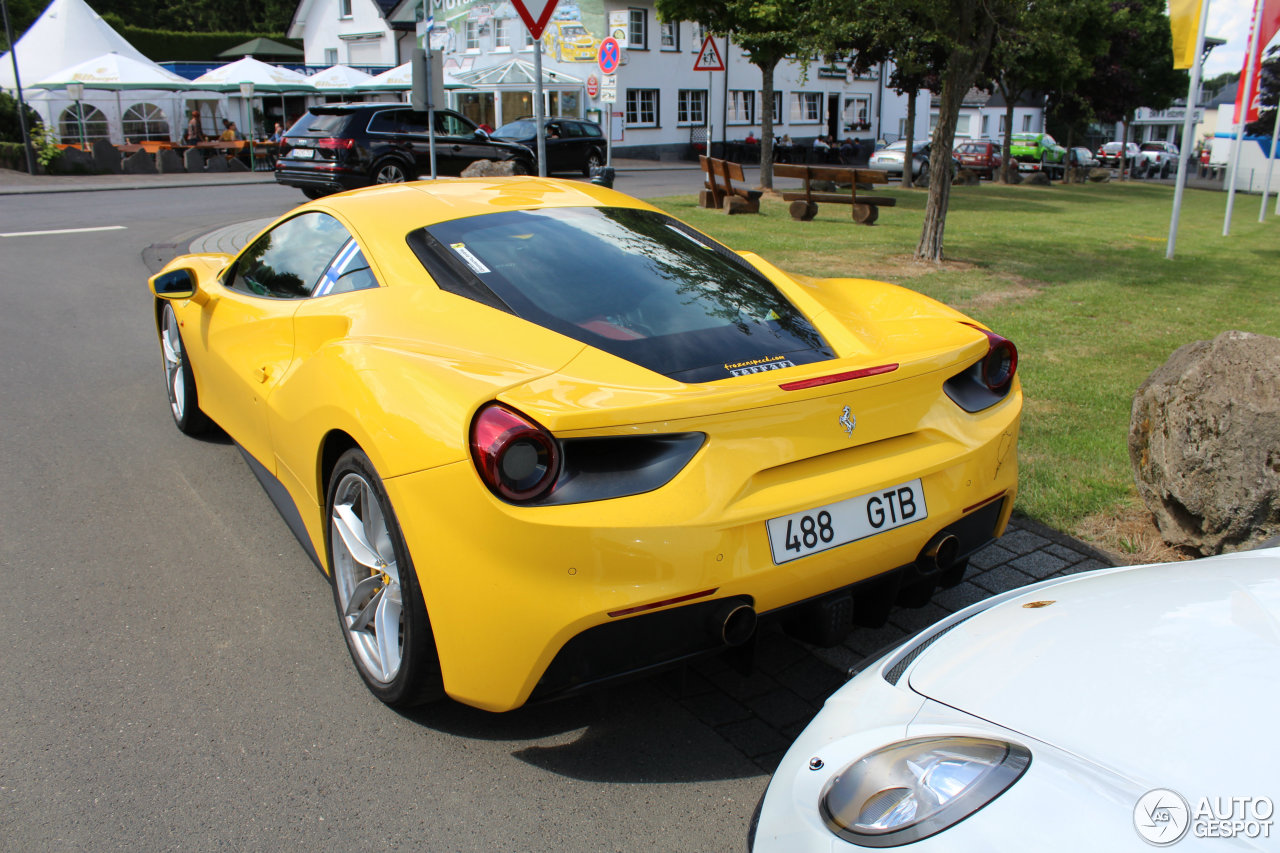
1000	363
517	459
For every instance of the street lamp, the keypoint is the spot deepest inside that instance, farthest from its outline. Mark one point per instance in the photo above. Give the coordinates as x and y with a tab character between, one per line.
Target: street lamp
246	93
75	91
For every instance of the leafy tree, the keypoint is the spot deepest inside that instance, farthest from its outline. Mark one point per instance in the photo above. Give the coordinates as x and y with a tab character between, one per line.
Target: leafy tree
1268	92
1020	64
1213	85
201	16
768	30
10	126
1137	69
953	38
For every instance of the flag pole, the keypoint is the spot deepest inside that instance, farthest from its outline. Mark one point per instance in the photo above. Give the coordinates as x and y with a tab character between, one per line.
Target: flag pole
1188	129
1238	143
1271	161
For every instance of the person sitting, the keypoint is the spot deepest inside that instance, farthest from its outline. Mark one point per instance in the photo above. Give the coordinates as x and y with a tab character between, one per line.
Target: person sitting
278	134
229	132
751	138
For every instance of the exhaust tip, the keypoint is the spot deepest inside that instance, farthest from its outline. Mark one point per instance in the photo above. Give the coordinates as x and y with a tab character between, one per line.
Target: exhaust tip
939	554
733	623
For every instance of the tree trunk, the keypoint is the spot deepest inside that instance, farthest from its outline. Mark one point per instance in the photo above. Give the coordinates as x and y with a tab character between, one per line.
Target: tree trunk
766	123
1007	166
962	67
908	156
1125	163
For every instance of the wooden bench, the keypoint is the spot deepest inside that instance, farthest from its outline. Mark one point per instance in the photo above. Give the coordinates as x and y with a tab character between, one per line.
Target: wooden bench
804	204
719	193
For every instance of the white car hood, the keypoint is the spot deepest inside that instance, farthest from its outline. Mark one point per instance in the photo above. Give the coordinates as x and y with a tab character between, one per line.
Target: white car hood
1168	675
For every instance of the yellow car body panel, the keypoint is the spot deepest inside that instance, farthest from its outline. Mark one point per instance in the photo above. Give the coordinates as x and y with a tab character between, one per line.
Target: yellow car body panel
401	370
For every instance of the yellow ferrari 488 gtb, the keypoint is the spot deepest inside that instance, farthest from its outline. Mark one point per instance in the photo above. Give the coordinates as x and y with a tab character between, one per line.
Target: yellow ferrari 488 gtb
542	435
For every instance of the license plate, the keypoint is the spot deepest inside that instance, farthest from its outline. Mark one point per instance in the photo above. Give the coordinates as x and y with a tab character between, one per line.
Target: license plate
303	153
825	527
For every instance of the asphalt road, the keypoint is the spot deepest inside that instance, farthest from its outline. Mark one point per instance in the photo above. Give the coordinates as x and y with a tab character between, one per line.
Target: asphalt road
173	675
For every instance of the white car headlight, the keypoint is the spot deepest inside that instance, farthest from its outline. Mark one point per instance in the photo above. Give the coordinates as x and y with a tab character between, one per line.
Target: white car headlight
916	788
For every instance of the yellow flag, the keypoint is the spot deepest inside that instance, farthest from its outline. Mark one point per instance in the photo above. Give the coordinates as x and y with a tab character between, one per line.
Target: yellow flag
1184	19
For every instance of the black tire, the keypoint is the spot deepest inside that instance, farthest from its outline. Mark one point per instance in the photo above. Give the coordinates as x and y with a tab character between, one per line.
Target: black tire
391	172
594	161
1164	170
180	382
360	591
314	192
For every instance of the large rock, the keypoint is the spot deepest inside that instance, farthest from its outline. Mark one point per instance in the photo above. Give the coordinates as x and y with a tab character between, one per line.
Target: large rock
193	160
106	157
1204	442
168	161
139	163
489	169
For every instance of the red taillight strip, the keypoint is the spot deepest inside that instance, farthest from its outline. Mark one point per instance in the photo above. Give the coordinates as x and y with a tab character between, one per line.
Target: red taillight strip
678	599
997	496
833	378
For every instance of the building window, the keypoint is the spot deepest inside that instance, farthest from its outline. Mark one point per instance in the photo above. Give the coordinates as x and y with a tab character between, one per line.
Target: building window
472	31
857	113
670	35
528	38
691	108
806	108
330	56
642	108
777	106
741	107
697	34
985	124
1026	123
638	29
1002	124
144	121
501	35
344	8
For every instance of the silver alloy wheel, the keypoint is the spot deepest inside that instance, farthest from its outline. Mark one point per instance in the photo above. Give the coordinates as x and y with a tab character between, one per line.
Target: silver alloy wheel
175	379
390	173
367	579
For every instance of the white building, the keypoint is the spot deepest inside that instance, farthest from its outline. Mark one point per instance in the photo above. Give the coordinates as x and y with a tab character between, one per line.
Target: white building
662	104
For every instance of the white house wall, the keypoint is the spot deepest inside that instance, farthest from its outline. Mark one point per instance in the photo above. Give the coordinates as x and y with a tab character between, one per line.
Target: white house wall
324	28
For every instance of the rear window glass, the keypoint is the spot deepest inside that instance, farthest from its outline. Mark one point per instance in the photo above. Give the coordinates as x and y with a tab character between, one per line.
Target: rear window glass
634	283
322	124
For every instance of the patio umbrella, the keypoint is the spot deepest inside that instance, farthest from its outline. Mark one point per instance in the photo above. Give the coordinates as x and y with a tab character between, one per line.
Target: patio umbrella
400	78
115	72
264	77
263	47
339	78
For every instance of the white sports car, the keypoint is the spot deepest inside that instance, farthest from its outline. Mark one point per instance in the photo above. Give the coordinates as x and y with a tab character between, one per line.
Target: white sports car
1107	711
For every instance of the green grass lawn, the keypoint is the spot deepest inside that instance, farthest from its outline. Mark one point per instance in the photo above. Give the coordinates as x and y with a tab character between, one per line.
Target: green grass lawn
1076	277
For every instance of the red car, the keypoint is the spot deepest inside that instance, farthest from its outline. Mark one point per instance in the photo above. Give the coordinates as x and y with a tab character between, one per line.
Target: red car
980	155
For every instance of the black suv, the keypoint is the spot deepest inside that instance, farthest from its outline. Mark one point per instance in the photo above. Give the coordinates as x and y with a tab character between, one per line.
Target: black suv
343	146
573	145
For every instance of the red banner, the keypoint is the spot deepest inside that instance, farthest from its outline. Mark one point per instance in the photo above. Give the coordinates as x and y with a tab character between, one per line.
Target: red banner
1266	16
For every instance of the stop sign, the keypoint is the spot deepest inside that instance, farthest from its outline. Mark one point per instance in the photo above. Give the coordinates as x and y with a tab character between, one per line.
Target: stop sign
593	86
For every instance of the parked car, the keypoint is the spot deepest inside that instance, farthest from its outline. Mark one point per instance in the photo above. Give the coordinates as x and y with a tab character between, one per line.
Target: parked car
338	147
1113	155
572	145
890	159
1159	158
980	155
570	41
1037	152
1098	710
542	435
1081	158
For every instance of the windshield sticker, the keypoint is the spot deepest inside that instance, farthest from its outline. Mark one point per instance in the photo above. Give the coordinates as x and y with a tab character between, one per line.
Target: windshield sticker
758	365
477	266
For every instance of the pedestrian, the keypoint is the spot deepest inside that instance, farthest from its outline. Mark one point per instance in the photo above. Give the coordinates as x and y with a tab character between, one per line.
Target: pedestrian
194	134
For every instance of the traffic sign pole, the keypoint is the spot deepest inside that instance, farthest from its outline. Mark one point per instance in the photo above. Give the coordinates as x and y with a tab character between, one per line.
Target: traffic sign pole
537	108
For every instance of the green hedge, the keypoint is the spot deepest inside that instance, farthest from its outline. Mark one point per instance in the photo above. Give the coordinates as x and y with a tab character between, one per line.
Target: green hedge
169	46
11	156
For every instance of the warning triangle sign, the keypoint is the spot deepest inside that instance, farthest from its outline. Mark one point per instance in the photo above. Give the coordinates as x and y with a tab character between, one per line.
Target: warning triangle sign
535	14
709	58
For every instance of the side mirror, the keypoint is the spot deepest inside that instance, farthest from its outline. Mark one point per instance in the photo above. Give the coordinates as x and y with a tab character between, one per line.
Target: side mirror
481	133
175	284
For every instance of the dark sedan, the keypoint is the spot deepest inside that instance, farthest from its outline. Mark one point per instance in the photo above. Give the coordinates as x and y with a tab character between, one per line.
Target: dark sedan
343	146
573	145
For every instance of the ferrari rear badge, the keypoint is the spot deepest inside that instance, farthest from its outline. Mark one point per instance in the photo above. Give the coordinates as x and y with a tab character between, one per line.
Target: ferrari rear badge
848	421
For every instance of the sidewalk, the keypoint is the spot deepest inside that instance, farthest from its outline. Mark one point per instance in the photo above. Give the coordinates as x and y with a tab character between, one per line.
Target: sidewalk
20	183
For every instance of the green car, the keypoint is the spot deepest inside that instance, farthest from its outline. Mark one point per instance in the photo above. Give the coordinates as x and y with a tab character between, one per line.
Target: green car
1037	152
